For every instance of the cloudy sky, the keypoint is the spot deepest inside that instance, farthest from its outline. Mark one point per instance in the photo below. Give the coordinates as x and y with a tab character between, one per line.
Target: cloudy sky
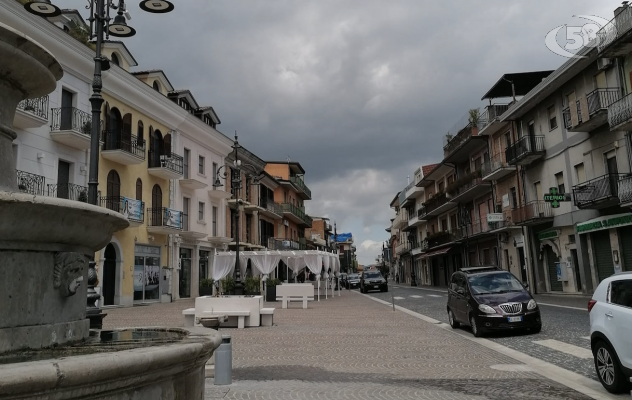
360	92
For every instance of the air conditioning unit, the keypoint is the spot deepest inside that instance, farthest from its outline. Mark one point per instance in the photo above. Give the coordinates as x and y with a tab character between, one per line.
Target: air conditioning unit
503	237
604	63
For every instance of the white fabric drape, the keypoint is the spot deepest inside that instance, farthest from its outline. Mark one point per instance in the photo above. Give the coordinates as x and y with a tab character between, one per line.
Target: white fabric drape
314	262
265	262
223	265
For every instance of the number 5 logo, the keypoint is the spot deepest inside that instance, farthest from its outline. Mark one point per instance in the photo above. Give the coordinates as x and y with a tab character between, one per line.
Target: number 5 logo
576	36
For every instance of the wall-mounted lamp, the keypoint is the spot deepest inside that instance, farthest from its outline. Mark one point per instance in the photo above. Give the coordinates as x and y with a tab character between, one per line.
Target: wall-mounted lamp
615	256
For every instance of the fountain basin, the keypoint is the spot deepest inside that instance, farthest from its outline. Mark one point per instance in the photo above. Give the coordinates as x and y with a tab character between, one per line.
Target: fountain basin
159	371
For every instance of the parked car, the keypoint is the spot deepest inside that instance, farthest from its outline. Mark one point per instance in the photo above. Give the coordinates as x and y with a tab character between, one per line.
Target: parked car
487	298
353	281
343	279
610	311
373	280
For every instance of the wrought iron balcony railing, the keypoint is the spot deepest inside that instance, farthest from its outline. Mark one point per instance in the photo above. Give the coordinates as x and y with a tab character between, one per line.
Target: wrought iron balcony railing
71	119
464	183
119	140
68	191
31	183
625	189
492	113
37	106
598	189
271	206
291	208
301	185
440	238
600	99
531	211
493	164
283	244
617	27
435	202
164	217
566	114
523	147
172	162
118	204
620	111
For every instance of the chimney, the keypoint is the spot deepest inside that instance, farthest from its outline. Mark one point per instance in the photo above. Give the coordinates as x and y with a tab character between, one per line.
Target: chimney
623	6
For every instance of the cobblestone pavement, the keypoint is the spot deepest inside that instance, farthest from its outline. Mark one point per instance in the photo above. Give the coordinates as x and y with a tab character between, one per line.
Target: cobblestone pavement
349	347
562	324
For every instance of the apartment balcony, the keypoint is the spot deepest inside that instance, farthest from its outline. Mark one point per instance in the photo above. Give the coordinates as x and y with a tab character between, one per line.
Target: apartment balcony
270	208
68	191
192	231
72	127
165	166
599	192
303	191
526	150
532	213
625	191
192	182
438	205
292	212
402	248
328	227
31	113
164	221
219	193
401	220
491	119
283	244
467	142
441	238
591	110
620	114
468	188
133	210
496	168
414	220
31	183
615	38
123	148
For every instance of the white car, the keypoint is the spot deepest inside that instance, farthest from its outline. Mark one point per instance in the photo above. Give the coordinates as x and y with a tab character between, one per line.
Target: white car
611	331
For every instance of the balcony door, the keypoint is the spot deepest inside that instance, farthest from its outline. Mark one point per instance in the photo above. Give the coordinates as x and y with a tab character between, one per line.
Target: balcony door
612	170
63	179
156	148
66	110
113	190
156	205
114	128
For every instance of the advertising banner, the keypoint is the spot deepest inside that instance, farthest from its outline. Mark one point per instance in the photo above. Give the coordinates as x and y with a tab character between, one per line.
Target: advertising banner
173	218
132	209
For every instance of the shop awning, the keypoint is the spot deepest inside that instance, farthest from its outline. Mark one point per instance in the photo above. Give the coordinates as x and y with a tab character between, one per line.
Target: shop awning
439	252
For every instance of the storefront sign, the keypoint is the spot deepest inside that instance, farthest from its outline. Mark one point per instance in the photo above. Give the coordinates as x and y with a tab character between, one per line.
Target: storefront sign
554	197
173	218
132	209
548	235
495	217
607	222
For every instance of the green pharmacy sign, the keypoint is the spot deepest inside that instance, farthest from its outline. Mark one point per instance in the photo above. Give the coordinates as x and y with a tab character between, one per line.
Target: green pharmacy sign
554	197
606	222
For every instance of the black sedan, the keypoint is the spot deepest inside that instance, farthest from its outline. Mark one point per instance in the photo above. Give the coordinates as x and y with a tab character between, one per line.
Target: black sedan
353	281
373	280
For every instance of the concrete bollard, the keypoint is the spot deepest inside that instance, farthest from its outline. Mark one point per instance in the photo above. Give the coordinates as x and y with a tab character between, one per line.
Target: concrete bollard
224	362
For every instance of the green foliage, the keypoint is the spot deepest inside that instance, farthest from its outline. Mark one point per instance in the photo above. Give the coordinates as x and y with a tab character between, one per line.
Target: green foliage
474	116
207	283
252	284
228	284
273	282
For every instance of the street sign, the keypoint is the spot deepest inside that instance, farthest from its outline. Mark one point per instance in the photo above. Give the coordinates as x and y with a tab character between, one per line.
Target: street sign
495	217
554	197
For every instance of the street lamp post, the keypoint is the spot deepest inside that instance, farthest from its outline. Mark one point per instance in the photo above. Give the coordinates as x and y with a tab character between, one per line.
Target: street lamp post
235	187
99	25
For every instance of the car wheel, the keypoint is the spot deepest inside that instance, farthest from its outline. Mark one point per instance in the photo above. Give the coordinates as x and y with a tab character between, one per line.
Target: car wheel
453	322
475	329
608	368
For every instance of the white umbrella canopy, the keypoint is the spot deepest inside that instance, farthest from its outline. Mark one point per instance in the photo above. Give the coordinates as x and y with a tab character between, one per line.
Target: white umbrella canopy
265	261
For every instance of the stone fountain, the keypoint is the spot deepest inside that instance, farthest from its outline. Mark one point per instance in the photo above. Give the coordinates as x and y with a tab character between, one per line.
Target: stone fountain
46	347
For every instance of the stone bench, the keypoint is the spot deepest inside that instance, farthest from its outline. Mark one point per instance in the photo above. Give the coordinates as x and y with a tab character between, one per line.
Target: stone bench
267	316
285	299
295	292
189	317
231	306
241	316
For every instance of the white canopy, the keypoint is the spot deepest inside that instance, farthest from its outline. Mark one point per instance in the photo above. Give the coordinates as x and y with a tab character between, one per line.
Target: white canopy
223	265
264	261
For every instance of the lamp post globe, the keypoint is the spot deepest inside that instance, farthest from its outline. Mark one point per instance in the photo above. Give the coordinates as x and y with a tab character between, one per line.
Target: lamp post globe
156	6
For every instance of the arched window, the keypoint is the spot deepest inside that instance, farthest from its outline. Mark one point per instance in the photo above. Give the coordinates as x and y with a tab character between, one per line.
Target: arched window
139	189
114	123
115	59
167	145
156	86
140	134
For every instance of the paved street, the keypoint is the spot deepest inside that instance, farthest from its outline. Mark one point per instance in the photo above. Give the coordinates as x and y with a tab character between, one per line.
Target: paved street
351	347
561	326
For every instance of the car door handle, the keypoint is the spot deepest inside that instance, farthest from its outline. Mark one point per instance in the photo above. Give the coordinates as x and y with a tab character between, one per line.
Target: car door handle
609	315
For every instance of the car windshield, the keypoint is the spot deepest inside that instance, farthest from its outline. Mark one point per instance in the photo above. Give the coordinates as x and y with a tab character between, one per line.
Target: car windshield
353	276
494	283
372	275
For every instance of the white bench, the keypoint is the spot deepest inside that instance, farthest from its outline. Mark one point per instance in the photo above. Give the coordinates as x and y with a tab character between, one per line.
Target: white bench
241	316
231	306
267	316
189	317
295	292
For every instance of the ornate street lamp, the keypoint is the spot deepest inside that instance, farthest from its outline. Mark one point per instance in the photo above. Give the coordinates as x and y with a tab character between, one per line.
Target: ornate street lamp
235	187
99	25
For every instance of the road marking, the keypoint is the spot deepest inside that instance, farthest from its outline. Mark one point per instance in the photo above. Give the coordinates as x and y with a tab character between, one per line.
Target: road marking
573	380
434	295
398	298
571	349
417	297
556	305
